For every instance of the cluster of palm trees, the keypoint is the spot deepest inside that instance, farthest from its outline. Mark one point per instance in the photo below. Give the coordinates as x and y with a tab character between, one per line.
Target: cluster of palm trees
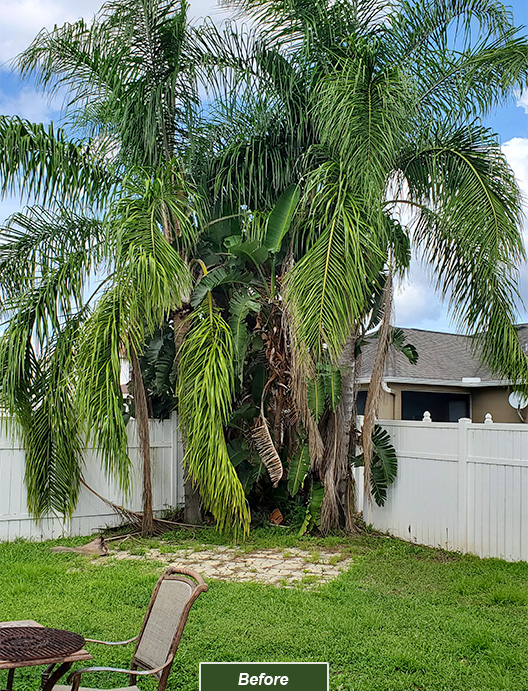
237	248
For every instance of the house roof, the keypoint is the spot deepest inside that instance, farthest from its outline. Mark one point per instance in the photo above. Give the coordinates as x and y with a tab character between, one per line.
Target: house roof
443	359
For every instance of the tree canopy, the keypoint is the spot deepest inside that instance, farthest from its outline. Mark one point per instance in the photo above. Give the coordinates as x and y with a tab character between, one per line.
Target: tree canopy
259	234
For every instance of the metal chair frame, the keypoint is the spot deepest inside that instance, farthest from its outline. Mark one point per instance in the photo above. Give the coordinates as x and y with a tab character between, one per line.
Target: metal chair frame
198	586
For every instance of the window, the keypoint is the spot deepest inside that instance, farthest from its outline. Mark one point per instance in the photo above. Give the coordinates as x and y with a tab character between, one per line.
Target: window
360	402
444	407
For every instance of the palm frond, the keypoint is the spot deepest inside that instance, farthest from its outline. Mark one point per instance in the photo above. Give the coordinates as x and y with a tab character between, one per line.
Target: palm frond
37	244
205	390
267	451
384	464
128	75
43	163
36	392
326	287
98	395
469	231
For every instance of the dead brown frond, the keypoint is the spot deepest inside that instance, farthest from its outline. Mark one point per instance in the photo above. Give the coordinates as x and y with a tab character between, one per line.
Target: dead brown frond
267	451
135	518
301	370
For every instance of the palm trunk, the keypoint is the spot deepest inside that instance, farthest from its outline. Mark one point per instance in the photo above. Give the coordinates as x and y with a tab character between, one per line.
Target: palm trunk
142	420
376	378
192	513
338	503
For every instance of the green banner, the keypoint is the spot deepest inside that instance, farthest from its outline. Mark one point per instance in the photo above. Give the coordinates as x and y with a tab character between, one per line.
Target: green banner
288	676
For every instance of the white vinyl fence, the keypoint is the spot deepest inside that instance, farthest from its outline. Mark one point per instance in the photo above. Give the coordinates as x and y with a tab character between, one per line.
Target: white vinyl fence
91	513
461	487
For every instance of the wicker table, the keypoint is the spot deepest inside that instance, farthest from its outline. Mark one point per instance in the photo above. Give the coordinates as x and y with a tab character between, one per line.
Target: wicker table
27	643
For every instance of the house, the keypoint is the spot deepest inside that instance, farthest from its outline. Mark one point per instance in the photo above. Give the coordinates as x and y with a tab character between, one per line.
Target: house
449	381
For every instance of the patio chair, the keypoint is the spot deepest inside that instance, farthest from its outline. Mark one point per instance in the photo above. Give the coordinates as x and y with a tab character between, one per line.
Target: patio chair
160	634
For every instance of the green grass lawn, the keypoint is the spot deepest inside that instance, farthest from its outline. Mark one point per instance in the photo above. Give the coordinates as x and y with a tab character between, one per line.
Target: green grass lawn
401	617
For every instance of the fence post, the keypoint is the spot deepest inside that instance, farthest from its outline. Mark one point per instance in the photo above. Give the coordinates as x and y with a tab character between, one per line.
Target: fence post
462	498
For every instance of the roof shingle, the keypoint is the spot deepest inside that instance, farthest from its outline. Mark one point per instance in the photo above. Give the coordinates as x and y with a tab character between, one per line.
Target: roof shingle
441	357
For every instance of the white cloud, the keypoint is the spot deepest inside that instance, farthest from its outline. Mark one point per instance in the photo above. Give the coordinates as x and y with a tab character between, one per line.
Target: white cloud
23	19
416	303
516	151
522	101
28	104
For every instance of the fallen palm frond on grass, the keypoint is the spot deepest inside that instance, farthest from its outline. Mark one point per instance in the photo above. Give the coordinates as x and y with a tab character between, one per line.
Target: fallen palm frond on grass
135	518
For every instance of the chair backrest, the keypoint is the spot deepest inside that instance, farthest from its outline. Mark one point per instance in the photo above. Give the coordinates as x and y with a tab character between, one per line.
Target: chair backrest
169	606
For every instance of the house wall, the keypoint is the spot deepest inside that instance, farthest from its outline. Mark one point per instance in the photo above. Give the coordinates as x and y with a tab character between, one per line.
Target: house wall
493	400
390	406
460	486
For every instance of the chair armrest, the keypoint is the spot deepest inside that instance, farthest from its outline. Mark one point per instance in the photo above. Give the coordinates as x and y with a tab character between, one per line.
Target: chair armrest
75	677
94	640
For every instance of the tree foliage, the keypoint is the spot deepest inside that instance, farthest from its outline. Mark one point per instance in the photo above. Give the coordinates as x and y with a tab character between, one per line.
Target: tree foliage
244	251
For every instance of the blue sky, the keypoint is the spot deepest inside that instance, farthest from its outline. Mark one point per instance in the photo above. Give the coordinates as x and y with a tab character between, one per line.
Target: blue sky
416	302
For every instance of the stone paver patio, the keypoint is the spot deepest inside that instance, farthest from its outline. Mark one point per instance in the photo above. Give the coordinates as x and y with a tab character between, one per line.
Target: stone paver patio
285	567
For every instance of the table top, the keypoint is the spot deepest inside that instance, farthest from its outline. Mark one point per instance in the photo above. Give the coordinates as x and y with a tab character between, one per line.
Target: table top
36	645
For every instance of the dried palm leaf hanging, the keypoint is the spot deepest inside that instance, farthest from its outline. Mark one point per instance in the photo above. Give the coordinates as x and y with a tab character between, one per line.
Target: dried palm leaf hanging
265	446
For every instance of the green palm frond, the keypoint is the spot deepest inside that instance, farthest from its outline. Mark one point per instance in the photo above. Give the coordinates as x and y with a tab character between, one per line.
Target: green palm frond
149	271
326	287
38	243
469	231
420	29
36	392
384	464
43	163
315	392
205	390
98	394
129	75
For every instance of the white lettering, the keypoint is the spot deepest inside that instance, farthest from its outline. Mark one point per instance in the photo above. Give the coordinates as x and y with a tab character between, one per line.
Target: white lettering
262	680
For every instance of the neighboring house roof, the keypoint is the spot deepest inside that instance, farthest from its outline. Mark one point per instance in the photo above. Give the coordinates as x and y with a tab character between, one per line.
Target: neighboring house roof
443	359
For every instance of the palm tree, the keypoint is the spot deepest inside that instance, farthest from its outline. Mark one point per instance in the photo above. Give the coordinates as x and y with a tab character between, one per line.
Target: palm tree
373	109
114	204
272	220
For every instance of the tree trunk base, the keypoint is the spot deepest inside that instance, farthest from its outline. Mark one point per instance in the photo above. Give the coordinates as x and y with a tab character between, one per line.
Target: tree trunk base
192	513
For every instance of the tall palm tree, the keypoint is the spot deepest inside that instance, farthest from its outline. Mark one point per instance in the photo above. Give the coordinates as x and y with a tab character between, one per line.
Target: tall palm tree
373	109
326	120
113	205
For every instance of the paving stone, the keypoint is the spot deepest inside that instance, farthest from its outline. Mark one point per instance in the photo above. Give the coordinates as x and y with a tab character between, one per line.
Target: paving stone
284	567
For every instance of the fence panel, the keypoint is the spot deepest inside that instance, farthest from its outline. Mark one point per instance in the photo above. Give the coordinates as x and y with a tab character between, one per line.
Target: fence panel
498	491
460	487
92	513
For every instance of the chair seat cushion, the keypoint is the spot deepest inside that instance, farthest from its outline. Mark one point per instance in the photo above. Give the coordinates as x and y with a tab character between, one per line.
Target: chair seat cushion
60	687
